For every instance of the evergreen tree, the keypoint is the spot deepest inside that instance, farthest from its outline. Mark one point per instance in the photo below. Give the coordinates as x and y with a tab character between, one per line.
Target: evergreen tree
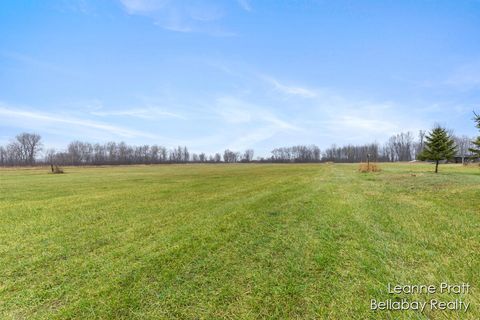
476	149
438	146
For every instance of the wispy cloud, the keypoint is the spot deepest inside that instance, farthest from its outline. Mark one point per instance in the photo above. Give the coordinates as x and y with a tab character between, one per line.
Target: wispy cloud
143	6
360	124
245	4
181	16
9	113
34	62
80	6
150	113
466	77
252	137
252	123
235	110
288	89
351	120
346	117
314	114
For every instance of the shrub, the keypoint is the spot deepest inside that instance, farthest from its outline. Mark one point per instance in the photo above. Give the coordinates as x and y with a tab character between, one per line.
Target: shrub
372	167
56	169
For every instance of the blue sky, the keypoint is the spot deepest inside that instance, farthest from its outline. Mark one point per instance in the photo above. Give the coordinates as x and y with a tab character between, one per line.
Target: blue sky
237	74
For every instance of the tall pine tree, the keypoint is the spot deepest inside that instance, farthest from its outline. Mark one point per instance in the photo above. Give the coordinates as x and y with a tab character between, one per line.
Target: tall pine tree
438	146
476	148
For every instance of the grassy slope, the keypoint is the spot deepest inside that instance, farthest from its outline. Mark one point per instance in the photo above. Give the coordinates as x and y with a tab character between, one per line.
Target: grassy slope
236	241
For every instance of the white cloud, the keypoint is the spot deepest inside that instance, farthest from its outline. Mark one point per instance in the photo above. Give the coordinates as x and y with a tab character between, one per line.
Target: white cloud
289	90
349	120
321	116
149	113
363	124
181	16
143	6
466	77
42	119
252	137
245	4
38	64
250	123
234	110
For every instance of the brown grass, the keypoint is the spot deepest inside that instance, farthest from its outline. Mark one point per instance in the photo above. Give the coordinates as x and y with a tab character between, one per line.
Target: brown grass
472	164
372	167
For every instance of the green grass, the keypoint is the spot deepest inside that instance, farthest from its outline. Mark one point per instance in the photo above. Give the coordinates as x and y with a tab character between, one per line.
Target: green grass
234	241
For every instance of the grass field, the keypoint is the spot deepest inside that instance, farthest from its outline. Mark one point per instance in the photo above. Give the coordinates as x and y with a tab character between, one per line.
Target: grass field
235	241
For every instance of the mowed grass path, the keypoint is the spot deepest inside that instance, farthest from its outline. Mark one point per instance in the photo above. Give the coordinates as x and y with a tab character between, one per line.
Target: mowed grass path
234	241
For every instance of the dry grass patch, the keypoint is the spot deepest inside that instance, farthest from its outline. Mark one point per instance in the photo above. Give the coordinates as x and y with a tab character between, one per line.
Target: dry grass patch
365	167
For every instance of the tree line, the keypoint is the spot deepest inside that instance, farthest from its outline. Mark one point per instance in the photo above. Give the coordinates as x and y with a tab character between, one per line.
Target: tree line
27	149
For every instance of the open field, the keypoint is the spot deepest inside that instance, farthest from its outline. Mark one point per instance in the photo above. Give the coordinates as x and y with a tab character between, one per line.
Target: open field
234	241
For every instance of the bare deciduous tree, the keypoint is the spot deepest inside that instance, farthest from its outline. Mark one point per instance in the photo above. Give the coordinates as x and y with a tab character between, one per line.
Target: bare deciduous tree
352	153
248	155
421	142
296	154
24	149
463	144
231	156
3	156
401	146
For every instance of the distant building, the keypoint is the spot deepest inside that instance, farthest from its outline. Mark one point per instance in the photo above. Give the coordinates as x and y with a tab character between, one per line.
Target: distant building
468	158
